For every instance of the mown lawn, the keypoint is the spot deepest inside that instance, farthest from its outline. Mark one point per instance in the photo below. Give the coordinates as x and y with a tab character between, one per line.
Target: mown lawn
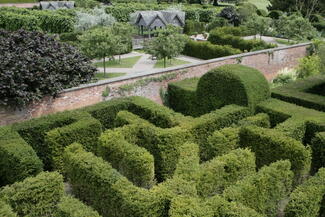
170	63
100	76
128	62
260	4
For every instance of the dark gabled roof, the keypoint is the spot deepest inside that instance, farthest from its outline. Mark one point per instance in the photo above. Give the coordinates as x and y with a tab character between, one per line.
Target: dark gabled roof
57	5
166	17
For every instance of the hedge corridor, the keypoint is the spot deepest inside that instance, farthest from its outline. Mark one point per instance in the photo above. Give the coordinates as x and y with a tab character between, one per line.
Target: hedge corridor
228	148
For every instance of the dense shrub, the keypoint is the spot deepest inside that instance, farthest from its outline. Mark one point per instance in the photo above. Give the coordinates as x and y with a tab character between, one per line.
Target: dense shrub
318	151
111	194
224	171
132	161
270	145
11	21
17	159
232	84
261	12
260	120
206	50
217	22
72	207
6	210
245	10
307	93
231	14
194	27
275	14
182	96
35	196
307	199
33	65
264	190
226	36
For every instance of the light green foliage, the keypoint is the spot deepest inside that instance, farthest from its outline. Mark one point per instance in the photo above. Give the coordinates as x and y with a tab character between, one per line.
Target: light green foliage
260	120
35	196
270	145
72	207
309	66
258	24
168	44
308	199
223	171
6	210
265	190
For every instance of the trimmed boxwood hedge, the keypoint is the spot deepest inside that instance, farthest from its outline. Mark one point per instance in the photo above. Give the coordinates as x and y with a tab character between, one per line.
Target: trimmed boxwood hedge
6	210
182	96
95	181
270	145
307	92
264	190
206	50
72	207
318	151
35	196
232	84
18	160
307	200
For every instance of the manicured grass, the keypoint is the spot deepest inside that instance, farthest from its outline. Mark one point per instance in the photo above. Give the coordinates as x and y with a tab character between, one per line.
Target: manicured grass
170	63
16	1
260	4
100	76
285	41
125	63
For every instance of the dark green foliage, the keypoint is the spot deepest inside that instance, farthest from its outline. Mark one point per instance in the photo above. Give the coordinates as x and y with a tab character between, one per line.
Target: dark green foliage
72	207
194	27
230	13
307	199
34	65
34	132
275	14
202	127
206	50
270	145
225	170
85	131
265	190
35	196
260	120
232	84
318	151
221	36
182	96
96	182
132	161
217	22
307	92
17	159
261	12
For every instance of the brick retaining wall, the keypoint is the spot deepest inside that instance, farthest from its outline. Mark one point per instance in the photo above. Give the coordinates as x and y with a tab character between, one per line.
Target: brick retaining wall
267	61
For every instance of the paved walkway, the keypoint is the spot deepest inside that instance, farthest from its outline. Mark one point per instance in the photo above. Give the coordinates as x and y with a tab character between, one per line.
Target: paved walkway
20	5
266	39
145	63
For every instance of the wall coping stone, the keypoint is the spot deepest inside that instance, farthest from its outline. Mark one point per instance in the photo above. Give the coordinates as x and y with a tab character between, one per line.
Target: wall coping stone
176	68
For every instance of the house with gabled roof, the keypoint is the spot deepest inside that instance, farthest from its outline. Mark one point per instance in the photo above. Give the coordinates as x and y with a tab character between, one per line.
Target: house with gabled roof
54	5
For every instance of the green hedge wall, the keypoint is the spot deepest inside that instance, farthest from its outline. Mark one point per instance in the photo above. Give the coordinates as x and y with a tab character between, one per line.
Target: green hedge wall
307	200
270	145
206	50
260	120
35	196
72	207
303	92
182	96
132	161
95	181
11	21
124	118
18	160
225	170
318	152
222	36
265	190
232	84
194	27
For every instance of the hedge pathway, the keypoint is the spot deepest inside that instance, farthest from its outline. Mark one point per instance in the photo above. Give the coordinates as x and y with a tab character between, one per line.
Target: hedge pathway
145	63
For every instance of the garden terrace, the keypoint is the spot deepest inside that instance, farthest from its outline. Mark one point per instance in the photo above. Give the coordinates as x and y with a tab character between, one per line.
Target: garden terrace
132	157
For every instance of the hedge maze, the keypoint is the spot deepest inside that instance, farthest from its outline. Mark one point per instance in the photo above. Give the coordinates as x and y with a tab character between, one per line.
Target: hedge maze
246	155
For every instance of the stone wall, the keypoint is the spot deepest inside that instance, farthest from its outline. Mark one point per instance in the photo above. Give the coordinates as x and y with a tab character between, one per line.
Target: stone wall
149	84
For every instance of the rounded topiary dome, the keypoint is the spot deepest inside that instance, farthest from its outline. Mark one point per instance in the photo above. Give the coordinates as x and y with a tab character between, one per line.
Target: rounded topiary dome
232	84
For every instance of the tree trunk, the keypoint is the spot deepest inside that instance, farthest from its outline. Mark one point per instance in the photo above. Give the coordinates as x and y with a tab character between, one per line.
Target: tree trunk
104	68
119	58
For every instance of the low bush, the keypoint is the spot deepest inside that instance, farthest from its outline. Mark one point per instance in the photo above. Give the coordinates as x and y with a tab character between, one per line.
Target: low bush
308	198
270	145
72	207
18	160
260	120
6	210
232	84
95	181
217	22
12	22
35	196
206	50
182	96
224	171
265	190
132	161
318	152
275	14
194	27
59	66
